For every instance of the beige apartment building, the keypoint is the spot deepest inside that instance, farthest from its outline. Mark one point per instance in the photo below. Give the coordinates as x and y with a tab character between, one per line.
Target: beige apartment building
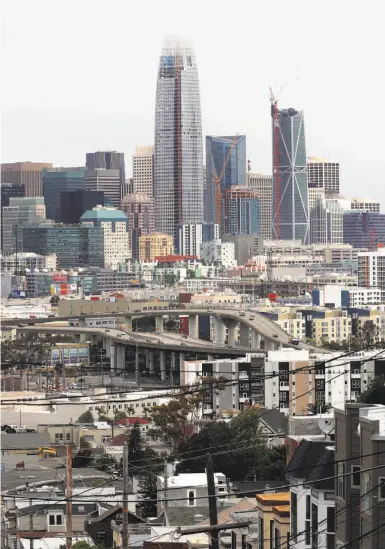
332	326
29	174
155	245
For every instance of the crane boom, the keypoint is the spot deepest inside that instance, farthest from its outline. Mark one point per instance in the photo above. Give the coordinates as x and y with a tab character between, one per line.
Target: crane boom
219	179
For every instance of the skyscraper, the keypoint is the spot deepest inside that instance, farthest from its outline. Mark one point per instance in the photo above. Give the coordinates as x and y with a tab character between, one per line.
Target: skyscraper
241	205
326	222
263	184
107	181
21	212
139	209
323	174
108	160
142	169
56	181
235	172
28	174
178	152
290	197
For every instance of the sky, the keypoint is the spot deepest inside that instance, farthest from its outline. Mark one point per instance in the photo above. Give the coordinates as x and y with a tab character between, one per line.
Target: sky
80	76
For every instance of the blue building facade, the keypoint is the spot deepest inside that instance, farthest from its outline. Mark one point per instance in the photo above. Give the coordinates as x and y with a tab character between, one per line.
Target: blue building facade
363	229
217	150
242	211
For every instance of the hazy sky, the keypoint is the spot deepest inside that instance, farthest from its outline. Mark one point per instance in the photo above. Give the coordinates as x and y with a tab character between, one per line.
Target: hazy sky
80	76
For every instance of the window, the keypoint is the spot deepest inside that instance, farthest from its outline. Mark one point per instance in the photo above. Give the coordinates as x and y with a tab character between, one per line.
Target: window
271	534
243	541
356	476
341	480
276	539
307	521
55	520
261	531
233	540
366	490
191	498
314	525
293	515
68	436
381	488
330	528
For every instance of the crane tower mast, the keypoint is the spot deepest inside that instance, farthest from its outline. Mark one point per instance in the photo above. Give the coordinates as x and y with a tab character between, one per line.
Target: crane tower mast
276	189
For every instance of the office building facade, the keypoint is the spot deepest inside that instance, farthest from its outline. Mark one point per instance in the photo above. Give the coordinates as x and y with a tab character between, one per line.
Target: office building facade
11	190
139	209
190	237
73	204
108	160
290	215
143	171
28	174
155	245
365	204
326	222
263	185
115	227
178	151
323	174
57	181
107	181
242	211
218	149
364	229
74	245
20	213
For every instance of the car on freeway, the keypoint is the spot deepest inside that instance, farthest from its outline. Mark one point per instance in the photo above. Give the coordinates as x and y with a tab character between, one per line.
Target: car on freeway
106	330
275	335
241	313
294	341
184	336
22	325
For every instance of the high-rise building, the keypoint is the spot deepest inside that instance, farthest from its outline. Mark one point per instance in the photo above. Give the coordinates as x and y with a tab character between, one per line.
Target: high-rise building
115	227
28	174
364	229
313	194
218	149
371	269
263	184
139	209
216	252
108	160
178	151
73	204
326	222
107	181
365	204
143	170
290	215
74	245
20	213
191	235
241	211
56	181
9	190
155	245
323	174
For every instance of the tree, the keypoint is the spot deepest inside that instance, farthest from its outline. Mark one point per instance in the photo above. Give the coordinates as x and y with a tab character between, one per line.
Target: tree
319	407
147	490
135	448
54	300
106	463
369	333
375	392
190	273
119	414
86	417
80	545
173	421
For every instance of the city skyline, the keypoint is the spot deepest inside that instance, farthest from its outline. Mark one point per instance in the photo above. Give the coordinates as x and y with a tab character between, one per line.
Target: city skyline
59	123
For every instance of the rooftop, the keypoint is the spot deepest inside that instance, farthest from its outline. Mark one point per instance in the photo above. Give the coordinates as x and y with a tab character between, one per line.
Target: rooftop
273	499
102	212
191	479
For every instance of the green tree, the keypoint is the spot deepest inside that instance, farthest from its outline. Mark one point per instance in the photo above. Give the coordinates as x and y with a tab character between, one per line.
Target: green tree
147	490
80	545
105	463
375	392
319	407
135	446
369	333
190	273
86	417
172	421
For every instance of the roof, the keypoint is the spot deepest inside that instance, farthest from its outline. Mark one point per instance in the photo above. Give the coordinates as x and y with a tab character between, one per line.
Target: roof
184	516
246	504
252	487
77	509
132	421
190	480
273	499
52	542
112	511
276	420
22	441
306	455
105	213
282	510
323	470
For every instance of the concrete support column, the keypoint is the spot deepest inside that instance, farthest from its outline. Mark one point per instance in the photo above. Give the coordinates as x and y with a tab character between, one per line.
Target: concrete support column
120	352
210	356
128	323
255	340
113	356
162	362
193	326
182	358
231	335
107	346
244	335
82	322
219	331
94	339
269	345
159	323
150	363
83	337
137	363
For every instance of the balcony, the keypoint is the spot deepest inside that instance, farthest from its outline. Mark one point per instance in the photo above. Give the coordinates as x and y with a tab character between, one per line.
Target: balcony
207	411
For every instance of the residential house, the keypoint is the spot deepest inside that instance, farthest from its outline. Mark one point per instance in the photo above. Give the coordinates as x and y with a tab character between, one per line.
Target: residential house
280	535
265	512
101	529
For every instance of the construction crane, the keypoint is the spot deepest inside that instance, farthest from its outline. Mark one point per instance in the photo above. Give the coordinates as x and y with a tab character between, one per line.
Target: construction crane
219	179
276	190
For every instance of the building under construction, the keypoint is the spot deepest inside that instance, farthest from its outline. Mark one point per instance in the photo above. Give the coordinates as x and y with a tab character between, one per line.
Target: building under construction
290	215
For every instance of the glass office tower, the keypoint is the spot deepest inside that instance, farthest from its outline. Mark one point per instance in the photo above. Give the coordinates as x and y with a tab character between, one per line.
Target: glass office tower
178	153
217	151
290	210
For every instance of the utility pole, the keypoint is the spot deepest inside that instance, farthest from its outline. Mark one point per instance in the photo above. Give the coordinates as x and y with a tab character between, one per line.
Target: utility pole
69	498
31	540
165	505
125	498
213	512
